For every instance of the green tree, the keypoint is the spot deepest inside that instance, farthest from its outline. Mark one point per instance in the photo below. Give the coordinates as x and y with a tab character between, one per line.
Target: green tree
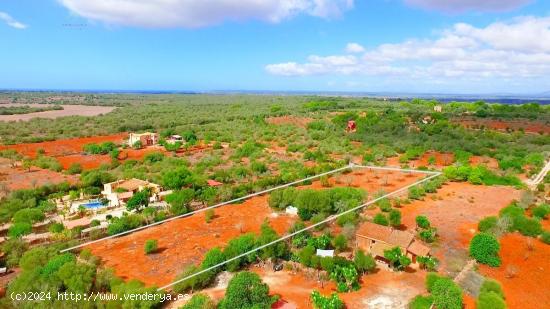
381	219
324	302
364	263
246	290
396	258
422	222
179	201
447	294
395	218
138	200
484	248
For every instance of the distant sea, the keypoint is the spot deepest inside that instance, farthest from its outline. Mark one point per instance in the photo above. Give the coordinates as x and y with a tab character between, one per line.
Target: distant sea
543	98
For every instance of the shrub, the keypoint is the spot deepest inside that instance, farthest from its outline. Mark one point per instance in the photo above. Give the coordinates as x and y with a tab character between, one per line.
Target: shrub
487	224
447	294
151	246
340	242
422	222
379	218
421	302
428	262
395	218
75	168
541	211
490	300
431	278
324	302
527	226
19	229
56	227
545	237
396	258
209	215
484	248
246	290
494	286
28	215
364	263
199	301
428	235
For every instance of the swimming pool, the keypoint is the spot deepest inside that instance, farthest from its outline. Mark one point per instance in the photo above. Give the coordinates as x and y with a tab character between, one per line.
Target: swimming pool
93	204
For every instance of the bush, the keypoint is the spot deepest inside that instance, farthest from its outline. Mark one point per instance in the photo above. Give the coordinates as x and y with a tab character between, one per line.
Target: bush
246	290
484	248
545	237
324	302
447	294
151	246
527	226
379	218
340	242
19	229
431	278
428	235
487	224
490	300
421	302
75	168
395	218
422	222
494	286
396	258
541	211
56	227
364	263
199	301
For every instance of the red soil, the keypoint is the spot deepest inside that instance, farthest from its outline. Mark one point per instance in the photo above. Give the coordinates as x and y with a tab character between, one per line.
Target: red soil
63	147
455	211
18	178
292	120
184	241
526	125
527	288
394	289
86	161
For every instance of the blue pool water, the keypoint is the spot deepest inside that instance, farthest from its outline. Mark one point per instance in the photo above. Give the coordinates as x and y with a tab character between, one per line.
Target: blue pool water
93	204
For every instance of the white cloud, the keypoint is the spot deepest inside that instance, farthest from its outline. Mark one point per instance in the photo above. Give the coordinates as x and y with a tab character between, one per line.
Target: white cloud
516	49
10	21
354	48
459	6
200	13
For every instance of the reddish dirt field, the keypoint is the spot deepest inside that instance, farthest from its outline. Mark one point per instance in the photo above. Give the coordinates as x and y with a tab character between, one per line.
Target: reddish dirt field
502	125
86	161
292	120
382	289
63	147
68	110
528	289
184	241
463	205
18	178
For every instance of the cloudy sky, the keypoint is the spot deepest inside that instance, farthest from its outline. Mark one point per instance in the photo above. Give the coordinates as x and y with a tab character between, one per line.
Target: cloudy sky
438	46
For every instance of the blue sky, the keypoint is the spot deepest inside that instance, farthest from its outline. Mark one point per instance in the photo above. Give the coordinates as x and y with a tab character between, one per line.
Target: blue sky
443	46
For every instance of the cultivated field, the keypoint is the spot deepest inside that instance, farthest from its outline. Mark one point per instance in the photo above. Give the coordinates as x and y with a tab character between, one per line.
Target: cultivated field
68	110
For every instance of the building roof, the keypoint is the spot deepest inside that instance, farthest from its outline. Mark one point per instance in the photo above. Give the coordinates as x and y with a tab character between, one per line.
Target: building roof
389	238
132	184
418	248
374	231
378	249
400	238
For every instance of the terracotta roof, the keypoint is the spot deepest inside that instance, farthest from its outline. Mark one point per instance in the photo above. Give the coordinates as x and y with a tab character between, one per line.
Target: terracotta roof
401	238
131	184
418	248
374	231
378	249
